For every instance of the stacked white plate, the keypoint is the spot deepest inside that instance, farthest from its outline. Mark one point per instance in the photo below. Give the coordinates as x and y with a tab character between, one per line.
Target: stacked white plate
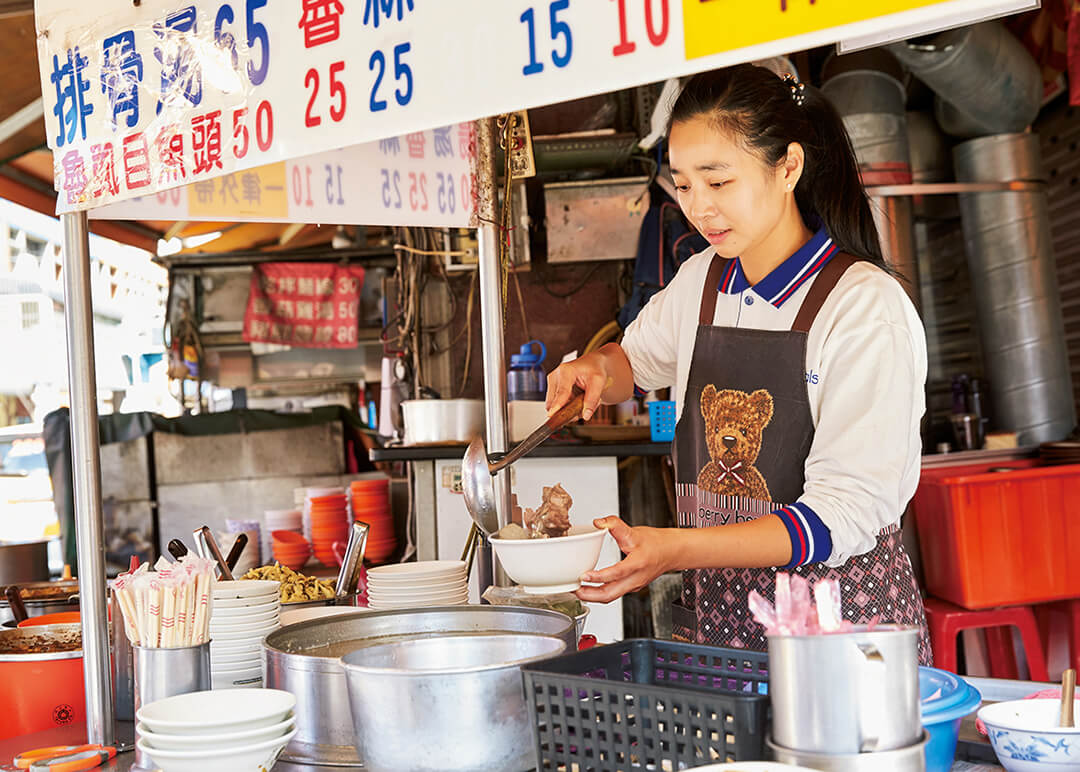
244	613
232	730
415	585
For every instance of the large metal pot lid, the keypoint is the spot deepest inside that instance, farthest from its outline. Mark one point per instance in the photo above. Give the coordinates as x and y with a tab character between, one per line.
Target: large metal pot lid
25	644
59	590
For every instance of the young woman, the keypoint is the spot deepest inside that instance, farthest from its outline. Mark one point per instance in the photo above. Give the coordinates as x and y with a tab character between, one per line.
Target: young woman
798	365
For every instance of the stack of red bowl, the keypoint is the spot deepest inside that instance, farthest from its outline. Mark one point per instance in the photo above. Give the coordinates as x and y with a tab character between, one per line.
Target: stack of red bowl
329	524
371	505
290	549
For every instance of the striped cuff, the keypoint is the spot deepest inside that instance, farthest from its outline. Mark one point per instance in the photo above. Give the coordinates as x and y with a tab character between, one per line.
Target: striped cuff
639	392
811	541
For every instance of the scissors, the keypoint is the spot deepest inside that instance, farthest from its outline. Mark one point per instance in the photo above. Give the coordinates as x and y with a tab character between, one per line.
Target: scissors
64	758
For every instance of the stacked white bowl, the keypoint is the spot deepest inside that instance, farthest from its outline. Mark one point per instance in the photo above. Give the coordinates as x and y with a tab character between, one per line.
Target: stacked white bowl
279	520
232	730
244	613
416	585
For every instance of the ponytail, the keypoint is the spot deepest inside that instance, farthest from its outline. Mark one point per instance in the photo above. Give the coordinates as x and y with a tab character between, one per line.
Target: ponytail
754	104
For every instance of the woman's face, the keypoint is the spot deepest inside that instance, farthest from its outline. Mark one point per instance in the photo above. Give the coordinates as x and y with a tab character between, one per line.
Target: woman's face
728	193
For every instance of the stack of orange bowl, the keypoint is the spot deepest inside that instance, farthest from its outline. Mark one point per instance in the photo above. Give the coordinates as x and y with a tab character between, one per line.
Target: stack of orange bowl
290	549
329	524
371	505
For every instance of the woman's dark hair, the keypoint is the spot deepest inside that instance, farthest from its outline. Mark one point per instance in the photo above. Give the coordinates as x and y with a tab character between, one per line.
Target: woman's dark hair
754	104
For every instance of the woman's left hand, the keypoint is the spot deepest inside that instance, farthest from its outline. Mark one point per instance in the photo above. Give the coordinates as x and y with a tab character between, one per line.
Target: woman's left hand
649	552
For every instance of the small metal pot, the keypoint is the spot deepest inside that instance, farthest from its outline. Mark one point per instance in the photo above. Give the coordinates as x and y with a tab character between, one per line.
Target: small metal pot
442	421
445	704
26	561
909	759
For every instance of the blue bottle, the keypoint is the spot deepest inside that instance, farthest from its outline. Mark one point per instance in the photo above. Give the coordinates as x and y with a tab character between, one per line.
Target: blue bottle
526	379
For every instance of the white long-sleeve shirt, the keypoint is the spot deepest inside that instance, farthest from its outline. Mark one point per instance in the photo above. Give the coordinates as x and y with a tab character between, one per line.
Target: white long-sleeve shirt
865	372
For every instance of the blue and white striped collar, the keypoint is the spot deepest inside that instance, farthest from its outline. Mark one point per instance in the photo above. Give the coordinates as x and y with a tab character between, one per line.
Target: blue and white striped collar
784	280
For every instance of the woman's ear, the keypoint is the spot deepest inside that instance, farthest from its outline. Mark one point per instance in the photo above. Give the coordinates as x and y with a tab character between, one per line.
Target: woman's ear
792	165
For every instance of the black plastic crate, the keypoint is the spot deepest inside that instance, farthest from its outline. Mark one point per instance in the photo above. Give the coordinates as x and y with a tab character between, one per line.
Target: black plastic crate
649	705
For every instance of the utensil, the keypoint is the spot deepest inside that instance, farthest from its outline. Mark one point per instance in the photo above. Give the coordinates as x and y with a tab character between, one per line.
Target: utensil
441	421
257	756
1068	694
211	543
64	758
162	673
42	598
470	688
303	660
15	603
845	693
1015	726
467	554
235	552
477	470
353	562
177	549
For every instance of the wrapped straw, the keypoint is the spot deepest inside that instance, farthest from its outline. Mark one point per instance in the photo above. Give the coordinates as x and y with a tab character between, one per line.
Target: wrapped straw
168	607
799	611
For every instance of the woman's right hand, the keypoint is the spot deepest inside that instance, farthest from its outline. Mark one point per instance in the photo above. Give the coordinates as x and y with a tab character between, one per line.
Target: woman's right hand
604	375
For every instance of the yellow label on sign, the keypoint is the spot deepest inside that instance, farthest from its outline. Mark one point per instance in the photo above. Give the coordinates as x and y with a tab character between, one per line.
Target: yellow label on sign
715	26
258	192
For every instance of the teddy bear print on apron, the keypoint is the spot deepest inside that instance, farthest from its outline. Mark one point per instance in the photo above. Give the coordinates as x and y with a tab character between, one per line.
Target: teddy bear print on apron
740	449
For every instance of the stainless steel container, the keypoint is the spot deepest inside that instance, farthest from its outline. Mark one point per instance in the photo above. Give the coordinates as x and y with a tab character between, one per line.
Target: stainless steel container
909	759
452	704
42	598
304	659
845	692
26	561
437	421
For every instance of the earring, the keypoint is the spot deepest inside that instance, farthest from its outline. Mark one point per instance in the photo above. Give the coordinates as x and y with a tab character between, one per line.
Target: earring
789	186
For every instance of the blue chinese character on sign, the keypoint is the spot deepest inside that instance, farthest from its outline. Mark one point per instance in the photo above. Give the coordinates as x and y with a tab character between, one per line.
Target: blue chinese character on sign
181	72
372	9
121	76
444	146
71	107
390	146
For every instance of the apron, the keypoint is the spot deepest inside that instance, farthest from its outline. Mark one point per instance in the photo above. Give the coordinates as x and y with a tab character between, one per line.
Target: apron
747	459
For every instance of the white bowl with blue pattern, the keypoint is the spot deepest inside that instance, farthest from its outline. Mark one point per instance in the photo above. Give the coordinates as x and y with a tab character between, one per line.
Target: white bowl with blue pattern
1026	736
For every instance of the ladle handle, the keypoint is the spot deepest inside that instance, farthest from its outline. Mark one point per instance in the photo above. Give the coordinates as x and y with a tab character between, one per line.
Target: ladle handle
571	411
15	603
1068	691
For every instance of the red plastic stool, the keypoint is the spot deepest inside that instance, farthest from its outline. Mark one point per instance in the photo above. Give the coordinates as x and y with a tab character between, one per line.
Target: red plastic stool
1071	610
946	621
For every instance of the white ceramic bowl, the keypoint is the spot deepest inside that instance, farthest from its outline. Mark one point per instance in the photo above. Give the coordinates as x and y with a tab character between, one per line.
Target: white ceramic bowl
256	757
418	594
246	588
250	679
418	586
241	647
188	742
543	566
375	606
228	661
244	625
234	620
216	712
1026	737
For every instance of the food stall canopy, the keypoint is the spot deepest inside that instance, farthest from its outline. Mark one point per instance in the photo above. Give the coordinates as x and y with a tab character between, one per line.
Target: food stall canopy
147	96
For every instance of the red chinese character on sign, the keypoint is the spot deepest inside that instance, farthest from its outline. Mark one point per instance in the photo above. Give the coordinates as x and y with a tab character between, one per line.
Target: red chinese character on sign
416	142
136	161
103	174
169	144
206	141
74	176
321	22
466	140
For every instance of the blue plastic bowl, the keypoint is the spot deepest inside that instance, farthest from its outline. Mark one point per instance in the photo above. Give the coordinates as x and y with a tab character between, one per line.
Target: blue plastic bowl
945	699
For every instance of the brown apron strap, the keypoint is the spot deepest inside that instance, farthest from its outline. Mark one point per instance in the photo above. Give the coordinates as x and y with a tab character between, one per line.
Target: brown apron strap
823	284
712	286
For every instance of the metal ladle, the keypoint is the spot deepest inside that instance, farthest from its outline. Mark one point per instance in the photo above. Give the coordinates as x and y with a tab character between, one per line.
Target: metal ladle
477	470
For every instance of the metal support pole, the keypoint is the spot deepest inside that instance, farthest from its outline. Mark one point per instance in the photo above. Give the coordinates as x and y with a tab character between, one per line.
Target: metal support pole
491	315
86	476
